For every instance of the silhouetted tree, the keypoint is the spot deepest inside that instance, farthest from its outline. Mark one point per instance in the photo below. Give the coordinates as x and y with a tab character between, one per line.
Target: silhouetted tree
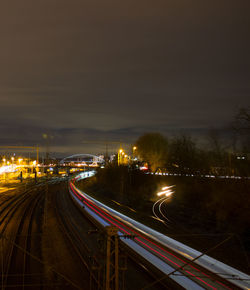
153	148
184	154
216	151
242	128
242	120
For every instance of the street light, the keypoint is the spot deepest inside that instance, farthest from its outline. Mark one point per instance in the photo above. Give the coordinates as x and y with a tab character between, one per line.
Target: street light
120	152
134	149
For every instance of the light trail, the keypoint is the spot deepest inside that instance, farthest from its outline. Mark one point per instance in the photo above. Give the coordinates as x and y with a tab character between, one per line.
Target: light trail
142	239
160	210
166	190
147	242
153	208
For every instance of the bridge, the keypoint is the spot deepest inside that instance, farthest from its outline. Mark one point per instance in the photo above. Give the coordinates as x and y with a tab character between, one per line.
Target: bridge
82	160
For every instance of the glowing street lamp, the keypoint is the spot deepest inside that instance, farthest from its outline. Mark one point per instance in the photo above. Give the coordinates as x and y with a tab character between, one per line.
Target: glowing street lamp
120	152
134	149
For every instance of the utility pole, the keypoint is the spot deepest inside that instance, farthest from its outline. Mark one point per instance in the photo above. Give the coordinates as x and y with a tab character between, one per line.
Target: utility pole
37	155
47	138
112	258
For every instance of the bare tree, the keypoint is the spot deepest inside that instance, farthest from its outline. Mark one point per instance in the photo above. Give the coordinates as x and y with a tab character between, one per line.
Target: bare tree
242	128
184	154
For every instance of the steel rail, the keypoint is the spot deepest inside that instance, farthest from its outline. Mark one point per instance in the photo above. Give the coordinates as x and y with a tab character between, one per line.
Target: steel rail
80	248
17	235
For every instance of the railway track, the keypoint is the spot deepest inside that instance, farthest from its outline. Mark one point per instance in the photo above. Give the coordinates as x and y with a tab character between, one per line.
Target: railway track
78	244
17	221
87	240
34	257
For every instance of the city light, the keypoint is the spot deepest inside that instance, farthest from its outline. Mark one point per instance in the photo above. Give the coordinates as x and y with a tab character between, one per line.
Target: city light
11	168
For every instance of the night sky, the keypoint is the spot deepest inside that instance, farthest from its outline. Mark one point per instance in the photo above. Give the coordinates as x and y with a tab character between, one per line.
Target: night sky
111	70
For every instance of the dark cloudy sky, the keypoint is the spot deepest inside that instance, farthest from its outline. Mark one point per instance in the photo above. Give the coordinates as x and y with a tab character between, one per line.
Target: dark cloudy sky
100	69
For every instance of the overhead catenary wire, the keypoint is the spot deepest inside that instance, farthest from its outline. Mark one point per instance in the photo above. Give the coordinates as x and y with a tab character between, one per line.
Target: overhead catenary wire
40	261
189	262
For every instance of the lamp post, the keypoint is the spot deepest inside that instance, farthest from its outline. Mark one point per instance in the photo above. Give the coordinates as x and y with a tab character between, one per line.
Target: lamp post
120	152
134	149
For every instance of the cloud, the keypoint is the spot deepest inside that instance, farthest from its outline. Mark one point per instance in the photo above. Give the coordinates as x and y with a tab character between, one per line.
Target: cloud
109	65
